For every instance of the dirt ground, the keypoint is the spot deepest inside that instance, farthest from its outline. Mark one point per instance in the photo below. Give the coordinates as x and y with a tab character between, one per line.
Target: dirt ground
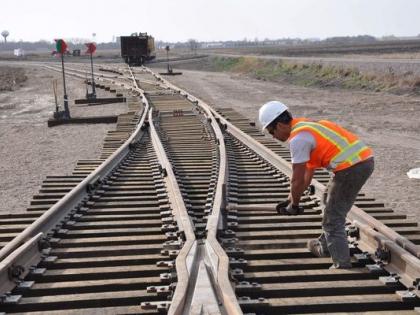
390	124
29	150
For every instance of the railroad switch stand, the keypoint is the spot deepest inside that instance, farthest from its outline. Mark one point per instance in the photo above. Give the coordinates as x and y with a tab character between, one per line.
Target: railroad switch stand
170	71
90	96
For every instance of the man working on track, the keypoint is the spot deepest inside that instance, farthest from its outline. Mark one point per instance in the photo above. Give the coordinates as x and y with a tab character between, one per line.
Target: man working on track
321	144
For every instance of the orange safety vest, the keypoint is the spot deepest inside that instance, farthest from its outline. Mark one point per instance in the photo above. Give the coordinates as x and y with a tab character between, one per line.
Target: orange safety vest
335	147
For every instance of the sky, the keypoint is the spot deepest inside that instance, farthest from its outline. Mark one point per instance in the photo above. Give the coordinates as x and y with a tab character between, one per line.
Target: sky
212	20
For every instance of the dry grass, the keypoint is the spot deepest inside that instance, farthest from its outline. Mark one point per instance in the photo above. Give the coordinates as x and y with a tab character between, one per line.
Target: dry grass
317	74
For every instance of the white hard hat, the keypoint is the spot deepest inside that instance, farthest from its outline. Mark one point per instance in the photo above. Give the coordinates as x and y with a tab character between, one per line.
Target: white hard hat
270	111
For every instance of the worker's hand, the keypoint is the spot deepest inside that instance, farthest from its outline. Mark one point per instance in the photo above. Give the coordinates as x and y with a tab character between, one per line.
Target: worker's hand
289	210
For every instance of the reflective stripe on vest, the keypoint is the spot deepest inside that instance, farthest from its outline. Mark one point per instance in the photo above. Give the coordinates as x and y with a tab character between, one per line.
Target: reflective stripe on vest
348	152
340	141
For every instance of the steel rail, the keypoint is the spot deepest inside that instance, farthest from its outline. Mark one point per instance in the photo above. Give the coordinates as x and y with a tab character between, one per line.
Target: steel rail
217	256
404	253
201	293
188	254
220	261
11	261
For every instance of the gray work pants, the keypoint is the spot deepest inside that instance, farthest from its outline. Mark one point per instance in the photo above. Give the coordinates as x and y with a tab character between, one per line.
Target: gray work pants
341	193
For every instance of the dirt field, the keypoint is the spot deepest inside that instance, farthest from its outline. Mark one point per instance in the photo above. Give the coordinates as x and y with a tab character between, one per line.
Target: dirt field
390	124
29	150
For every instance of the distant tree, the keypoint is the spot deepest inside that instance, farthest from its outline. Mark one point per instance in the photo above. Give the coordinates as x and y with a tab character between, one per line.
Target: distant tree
193	44
5	34
351	39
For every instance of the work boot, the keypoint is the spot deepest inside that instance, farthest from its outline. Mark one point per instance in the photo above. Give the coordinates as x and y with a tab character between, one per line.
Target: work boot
289	209
341	266
315	248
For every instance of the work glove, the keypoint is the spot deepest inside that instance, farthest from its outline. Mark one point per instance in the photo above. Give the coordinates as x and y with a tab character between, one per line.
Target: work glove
286	208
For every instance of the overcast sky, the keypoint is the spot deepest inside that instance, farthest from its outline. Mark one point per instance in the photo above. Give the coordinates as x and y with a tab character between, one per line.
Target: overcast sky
180	20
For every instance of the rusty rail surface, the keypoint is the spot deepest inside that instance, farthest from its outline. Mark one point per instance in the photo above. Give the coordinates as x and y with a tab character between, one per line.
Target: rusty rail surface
190	190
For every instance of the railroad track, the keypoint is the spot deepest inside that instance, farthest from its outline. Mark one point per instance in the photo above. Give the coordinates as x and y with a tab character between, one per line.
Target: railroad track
177	216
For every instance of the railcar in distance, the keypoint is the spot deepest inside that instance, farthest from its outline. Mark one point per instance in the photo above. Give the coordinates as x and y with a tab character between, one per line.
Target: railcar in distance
137	48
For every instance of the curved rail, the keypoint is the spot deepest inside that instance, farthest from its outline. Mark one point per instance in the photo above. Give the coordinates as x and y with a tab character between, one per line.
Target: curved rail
188	254
213	254
218	258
